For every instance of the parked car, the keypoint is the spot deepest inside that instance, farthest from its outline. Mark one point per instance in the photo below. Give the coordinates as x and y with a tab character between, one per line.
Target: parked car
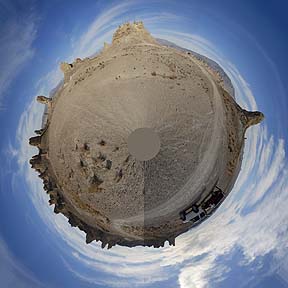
193	213
213	199
196	213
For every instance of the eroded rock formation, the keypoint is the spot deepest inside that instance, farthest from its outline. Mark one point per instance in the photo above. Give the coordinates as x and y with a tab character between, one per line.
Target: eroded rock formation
83	159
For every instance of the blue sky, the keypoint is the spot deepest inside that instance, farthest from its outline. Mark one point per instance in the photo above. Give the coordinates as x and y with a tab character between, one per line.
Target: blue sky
243	244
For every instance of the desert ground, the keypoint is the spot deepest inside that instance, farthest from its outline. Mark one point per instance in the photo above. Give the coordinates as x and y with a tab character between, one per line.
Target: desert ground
84	159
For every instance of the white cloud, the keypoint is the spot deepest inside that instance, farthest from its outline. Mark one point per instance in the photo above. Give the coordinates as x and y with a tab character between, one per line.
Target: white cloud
190	41
100	24
13	273
270	174
282	269
199	276
99	31
221	239
193	260
16	38
103	27
51	79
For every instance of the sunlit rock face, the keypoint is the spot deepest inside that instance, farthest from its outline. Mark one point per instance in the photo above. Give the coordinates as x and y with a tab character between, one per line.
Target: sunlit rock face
176	111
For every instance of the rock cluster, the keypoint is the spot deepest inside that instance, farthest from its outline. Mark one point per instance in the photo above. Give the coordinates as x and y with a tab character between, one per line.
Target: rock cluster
83	160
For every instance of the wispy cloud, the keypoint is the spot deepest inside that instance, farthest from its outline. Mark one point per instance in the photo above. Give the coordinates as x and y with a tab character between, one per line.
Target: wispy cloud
103	27
194	259
100	24
16	37
101	30
13	273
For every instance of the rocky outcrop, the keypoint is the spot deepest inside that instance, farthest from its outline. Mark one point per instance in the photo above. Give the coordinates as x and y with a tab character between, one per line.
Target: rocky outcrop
251	118
41	164
69	68
66	67
44	100
106	46
35	141
146	235
134	33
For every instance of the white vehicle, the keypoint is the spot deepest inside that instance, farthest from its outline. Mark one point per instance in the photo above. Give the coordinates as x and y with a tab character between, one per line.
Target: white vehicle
193	213
213	200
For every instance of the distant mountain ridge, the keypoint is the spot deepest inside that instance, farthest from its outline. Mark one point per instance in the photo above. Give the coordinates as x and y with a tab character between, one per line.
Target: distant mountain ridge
211	63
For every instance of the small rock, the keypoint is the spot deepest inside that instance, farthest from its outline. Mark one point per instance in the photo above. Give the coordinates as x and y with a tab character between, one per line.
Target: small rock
108	164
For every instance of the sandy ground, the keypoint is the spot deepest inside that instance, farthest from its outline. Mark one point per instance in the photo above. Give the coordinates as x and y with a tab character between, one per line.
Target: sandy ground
137	83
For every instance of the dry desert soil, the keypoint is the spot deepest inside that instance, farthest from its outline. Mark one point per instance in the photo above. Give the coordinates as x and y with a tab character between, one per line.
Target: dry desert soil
99	182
